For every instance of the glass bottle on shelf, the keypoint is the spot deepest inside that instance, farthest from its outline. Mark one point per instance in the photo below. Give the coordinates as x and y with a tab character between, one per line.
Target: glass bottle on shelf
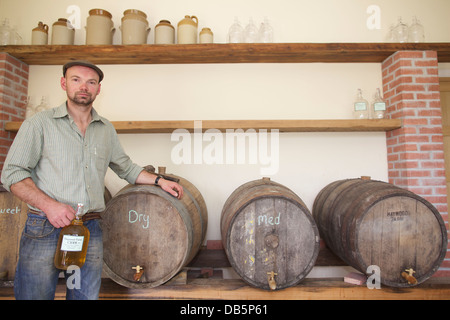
360	107
42	106
265	32
72	243
401	31
416	31
391	37
250	32
378	110
236	32
29	108
5	33
15	38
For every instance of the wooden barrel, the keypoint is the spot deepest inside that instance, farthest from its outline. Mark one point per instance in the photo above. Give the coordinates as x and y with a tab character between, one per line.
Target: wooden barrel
267	228
148	235
374	223
13	215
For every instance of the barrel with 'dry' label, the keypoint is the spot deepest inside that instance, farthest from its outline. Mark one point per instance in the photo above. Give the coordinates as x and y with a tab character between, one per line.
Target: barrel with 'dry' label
269	236
374	223
150	235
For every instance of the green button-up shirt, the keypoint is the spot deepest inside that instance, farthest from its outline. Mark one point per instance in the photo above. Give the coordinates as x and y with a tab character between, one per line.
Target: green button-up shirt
50	149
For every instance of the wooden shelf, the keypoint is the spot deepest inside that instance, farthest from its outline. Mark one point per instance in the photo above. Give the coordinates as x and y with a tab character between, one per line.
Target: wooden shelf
350	125
219	53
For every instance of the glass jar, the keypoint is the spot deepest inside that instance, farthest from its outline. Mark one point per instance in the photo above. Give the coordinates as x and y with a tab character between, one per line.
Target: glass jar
5	33
416	32
360	107
236	32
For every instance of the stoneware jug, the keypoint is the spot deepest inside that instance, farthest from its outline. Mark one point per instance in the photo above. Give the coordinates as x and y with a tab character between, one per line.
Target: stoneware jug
99	27
63	32
206	35
187	30
134	27
164	33
39	35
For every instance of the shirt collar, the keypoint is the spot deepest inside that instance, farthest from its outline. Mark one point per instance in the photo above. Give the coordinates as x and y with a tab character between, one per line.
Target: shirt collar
61	112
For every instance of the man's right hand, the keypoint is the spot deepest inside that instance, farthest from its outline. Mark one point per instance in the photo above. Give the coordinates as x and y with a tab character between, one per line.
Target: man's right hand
60	214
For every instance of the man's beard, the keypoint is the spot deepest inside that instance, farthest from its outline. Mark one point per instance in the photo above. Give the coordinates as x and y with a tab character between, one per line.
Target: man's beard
82	101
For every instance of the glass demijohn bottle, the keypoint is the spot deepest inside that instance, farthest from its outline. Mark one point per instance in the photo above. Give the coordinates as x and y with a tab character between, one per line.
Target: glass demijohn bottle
5	33
251	32
265	32
73	243
360	107
416	32
401	31
378	106
236	32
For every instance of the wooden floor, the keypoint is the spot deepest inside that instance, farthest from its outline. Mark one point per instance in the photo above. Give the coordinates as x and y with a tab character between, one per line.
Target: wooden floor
219	289
204	279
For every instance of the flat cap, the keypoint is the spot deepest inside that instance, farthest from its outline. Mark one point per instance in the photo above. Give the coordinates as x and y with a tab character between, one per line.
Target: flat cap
83	63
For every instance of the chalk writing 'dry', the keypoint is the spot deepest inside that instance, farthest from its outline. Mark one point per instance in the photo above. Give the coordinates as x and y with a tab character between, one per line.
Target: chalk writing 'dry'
134	217
10	210
264	219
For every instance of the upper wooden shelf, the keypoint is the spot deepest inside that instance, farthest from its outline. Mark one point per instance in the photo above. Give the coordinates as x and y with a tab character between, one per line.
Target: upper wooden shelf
219	53
344	125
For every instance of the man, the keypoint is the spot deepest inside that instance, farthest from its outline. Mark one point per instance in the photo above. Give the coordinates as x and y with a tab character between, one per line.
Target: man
59	158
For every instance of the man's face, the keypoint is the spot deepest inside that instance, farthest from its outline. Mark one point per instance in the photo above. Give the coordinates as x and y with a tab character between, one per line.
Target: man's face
81	85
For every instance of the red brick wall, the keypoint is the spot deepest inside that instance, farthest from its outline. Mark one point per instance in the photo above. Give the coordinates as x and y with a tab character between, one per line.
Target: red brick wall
13	97
416	151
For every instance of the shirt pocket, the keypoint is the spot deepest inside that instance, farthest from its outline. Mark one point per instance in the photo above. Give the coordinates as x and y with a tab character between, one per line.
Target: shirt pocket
100	156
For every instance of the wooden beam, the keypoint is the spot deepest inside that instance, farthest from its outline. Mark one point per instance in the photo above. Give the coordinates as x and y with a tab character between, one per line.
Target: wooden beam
344	125
219	53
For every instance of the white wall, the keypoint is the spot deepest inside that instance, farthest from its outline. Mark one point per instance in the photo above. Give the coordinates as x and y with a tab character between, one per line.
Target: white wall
308	161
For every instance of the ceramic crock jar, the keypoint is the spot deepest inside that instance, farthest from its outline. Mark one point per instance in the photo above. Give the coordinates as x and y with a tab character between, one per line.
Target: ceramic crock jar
134	27
187	30
39	35
206	35
164	33
99	27
63	32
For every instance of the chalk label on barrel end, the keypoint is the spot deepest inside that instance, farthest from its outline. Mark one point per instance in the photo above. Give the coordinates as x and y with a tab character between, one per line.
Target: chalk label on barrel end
265	220
134	217
10	210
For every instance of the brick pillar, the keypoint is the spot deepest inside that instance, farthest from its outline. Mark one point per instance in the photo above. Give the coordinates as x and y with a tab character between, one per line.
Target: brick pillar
416	151
13	97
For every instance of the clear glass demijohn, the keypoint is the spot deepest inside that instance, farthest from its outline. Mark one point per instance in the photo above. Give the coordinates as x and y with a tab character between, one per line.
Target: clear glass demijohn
401	31
416	32
5	33
251	32
265	32
236	32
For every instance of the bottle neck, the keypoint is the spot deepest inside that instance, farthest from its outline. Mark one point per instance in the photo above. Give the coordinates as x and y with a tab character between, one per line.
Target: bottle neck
77	222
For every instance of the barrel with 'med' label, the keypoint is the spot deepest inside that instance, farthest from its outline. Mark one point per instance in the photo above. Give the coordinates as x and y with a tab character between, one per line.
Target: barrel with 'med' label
374	223
269	235
149	235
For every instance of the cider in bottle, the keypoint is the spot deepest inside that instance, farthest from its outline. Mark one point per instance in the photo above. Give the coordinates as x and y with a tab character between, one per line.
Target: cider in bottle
73	242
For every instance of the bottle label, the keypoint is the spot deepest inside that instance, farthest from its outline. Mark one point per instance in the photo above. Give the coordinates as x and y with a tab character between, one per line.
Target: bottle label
379	106
360	106
72	243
